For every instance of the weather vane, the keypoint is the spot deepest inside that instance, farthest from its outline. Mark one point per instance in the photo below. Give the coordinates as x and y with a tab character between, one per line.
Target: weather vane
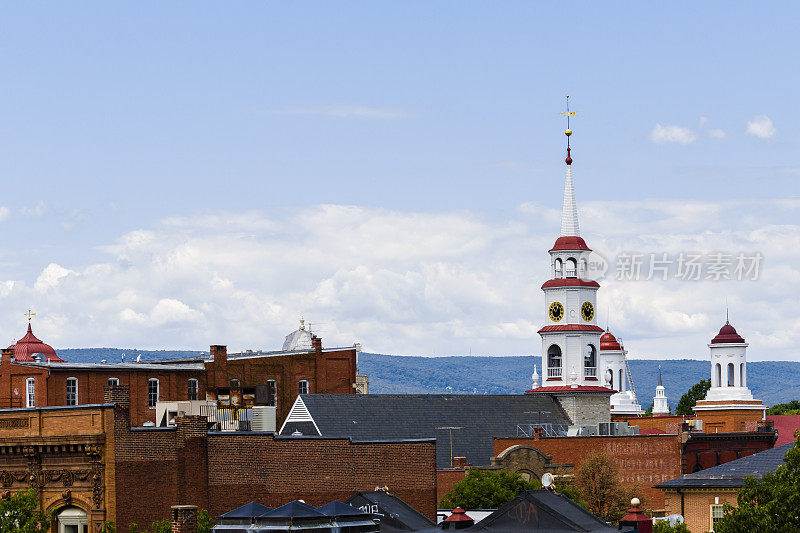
30	315
568	114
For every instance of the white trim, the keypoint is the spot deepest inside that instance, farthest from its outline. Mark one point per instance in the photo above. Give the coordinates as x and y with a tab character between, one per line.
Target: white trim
196	388
299	413
158	392
29	382
116	382
299	386
76	390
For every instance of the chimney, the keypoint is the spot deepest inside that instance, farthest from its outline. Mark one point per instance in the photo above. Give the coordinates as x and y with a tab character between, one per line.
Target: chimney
460	462
316	343
119	395
8	355
184	519
219	354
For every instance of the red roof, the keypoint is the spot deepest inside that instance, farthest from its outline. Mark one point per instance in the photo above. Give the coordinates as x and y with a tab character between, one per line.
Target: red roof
567	388
458	515
29	345
571	242
727	335
570	282
609	342
785	424
572	327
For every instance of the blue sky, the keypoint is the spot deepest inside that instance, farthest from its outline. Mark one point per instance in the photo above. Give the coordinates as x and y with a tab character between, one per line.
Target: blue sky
116	119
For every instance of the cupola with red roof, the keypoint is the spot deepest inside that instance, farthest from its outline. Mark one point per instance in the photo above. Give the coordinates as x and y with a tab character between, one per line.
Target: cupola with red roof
609	342
727	335
29	345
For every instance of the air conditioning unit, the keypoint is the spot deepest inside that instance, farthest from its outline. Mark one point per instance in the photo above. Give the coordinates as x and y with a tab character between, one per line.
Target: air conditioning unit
263	418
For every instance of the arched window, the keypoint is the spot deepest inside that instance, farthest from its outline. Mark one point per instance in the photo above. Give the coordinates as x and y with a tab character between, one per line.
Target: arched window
192	389
302	386
558	268
30	392
590	361
730	375
72	391
235	384
742	376
718	376
621	381
572	266
582	272
152	393
611	378
554	362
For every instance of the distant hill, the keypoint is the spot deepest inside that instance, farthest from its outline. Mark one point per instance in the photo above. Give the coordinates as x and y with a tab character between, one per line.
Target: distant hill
772	382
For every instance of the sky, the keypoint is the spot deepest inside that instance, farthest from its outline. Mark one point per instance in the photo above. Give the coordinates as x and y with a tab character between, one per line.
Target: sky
185	174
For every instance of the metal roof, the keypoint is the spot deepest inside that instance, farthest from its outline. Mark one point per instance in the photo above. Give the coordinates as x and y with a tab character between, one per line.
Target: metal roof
733	473
475	419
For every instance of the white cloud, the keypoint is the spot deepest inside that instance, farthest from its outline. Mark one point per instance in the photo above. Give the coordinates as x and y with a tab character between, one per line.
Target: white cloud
717	133
51	276
5	213
413	283
672	134
761	127
349	111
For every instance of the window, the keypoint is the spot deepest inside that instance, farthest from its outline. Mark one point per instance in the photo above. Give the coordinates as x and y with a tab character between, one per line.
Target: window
621	381
742	377
192	387
571	267
554	362
716	515
730	375
583	269
152	393
235	384
113	382
611	378
30	390
590	361
72	391
303	386
558	268
718	376
272	393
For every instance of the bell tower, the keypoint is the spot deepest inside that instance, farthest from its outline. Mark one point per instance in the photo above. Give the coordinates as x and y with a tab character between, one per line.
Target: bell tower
570	337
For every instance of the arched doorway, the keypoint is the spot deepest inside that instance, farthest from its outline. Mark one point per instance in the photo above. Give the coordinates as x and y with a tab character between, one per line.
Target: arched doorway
72	520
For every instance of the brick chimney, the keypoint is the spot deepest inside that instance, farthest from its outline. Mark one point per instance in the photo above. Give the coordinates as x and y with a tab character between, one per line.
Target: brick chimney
219	354
118	395
8	354
460	462
316	343
184	518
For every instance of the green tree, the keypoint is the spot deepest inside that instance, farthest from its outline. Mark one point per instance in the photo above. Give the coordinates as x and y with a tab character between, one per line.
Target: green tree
790	408
689	400
204	522
21	514
770	503
649	411
486	489
662	526
597	481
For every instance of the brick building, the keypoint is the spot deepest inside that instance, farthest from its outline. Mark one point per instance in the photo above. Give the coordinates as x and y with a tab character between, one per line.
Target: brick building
233	379
88	464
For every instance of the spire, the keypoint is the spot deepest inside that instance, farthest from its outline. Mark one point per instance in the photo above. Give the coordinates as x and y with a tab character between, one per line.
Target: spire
659	376
569	210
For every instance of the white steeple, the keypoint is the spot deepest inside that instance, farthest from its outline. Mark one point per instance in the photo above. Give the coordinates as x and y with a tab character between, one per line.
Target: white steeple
660	406
569	210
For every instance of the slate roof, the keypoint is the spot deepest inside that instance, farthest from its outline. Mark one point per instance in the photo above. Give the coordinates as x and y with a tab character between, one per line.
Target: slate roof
733	473
392	417
293	509
395	515
337	508
248	510
541	510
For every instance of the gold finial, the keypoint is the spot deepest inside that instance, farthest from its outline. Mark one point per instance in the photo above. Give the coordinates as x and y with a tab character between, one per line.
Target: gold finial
29	314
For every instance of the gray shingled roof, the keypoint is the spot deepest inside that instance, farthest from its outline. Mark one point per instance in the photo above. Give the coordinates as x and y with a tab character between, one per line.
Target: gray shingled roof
388	417
733	473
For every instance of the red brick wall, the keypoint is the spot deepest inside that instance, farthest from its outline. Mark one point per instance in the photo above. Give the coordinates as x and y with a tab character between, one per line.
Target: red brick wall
642	460
445	479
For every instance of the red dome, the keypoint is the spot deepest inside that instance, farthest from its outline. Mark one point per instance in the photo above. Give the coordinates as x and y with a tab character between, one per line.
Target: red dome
727	335
29	345
570	242
609	342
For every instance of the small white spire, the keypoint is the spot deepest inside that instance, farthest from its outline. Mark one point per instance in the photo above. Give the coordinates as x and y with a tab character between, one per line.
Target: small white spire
569	211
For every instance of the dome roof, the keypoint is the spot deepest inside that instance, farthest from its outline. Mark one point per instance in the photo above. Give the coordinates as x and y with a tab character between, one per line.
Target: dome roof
727	335
570	242
27	346
609	342
299	339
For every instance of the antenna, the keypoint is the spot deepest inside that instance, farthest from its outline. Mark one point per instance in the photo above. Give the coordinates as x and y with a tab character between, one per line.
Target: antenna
450	429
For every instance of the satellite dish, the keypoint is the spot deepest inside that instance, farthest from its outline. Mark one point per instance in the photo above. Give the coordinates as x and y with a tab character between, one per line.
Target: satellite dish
547	480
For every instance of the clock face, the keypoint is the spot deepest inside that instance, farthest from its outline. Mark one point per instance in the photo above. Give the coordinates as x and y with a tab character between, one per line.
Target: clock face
556	311
587	311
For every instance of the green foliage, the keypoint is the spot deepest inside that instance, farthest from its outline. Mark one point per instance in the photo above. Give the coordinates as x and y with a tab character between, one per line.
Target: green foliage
162	526
649	411
597	481
768	504
486	489
133	528
662	526
573	494
790	408
21	514
108	527
204	522
689	400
